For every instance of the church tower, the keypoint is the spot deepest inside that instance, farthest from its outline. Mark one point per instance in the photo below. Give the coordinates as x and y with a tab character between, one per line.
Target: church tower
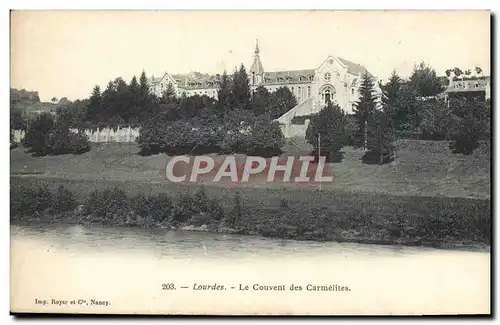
257	70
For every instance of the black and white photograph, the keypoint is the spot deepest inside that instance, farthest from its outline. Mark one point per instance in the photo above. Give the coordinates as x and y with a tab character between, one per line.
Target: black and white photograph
250	162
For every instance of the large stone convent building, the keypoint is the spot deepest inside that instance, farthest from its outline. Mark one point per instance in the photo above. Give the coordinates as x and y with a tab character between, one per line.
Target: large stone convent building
335	79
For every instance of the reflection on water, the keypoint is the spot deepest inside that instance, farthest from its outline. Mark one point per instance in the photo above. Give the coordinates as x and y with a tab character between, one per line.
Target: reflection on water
69	239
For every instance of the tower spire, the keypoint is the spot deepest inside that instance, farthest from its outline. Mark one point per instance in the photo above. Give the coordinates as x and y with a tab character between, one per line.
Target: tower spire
257	70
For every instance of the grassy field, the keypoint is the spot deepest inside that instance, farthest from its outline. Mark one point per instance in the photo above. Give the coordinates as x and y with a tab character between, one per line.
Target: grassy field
422	168
428	196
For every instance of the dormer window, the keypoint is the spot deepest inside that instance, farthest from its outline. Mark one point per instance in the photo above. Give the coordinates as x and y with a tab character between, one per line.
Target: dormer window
311	77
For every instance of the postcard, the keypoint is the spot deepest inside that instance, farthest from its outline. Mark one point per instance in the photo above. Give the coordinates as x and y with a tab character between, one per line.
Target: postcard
250	162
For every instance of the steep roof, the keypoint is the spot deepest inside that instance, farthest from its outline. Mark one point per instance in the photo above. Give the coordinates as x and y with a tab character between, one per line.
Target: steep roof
353	68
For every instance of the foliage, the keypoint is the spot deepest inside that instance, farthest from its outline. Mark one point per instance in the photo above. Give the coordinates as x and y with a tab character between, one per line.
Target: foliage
37	134
38	200
107	204
474	122
46	137
224	95
365	107
330	124
241	89
355	217
438	121
17	120
380	148
425	81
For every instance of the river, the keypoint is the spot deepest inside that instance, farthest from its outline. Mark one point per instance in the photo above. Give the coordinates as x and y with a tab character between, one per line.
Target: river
128	269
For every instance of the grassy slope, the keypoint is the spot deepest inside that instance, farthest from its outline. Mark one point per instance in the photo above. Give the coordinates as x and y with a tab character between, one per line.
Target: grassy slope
422	168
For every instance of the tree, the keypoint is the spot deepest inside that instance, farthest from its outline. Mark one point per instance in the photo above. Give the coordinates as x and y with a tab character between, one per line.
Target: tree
241	88
457	72
94	108
364	108
329	124
406	113
144	88
224	95
261	100
169	94
54	100
17	120
38	130
282	100
380	139
425	81
473	125
479	71
391	91
438	121
72	114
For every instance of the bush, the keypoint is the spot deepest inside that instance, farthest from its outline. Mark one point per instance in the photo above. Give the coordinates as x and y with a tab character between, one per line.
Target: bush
108	204
61	141
63	201
30	200
237	133
157	207
45	137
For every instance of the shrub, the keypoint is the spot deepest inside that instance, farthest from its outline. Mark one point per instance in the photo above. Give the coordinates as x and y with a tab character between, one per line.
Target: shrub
45	137
157	207
184	209
30	200
61	141
107	204
63	201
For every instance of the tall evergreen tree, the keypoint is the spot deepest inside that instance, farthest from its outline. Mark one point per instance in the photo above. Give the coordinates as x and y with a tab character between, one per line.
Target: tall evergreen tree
380	138
391	93
169	94
135	99
425	81
241	88
224	95
261	100
95	104
144	86
329	125
364	109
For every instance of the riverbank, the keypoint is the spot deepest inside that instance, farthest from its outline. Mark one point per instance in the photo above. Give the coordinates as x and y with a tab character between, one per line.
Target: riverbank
277	213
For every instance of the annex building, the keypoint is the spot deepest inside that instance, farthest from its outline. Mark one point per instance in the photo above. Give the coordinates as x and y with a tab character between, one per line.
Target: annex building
335	79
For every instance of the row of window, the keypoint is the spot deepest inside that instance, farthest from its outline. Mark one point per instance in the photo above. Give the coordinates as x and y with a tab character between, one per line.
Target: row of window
288	78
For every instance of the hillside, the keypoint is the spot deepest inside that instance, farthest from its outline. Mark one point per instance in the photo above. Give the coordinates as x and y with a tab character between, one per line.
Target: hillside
422	168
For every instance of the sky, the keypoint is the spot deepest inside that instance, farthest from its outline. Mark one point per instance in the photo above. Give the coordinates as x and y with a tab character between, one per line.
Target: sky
65	53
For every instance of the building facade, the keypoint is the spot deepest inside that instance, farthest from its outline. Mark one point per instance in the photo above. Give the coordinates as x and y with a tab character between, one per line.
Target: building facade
472	87
335	80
